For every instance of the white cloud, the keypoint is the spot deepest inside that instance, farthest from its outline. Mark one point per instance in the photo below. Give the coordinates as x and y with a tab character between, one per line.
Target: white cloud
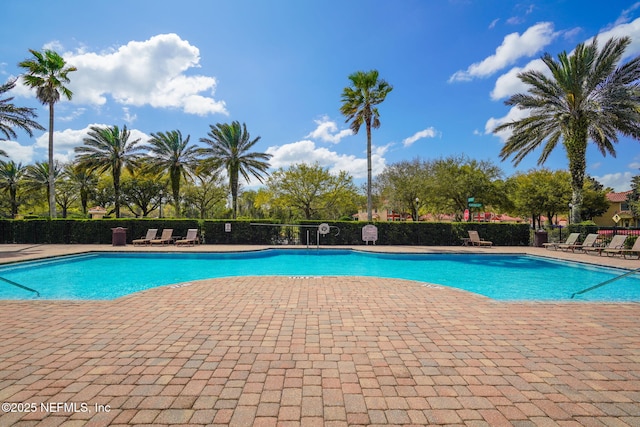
513	47
427	133
513	115
18	153
494	23
65	141
509	84
624	16
620	181
150	72
634	165
327	131
306	152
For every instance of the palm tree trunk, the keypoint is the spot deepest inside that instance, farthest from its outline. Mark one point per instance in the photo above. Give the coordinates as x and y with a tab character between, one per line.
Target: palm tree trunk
175	188
369	178
116	190
52	191
233	179
576	147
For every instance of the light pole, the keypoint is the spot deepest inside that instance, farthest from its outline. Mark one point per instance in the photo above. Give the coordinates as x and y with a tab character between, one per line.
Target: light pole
417	206
570	212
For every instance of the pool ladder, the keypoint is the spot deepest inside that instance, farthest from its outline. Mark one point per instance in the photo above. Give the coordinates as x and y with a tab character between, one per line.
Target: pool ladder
26	288
606	282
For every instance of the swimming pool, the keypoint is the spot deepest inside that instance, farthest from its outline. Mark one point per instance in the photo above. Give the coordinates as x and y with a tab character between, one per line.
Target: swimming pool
100	276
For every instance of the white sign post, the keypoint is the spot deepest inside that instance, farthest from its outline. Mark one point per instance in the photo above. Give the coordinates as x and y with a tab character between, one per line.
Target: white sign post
370	233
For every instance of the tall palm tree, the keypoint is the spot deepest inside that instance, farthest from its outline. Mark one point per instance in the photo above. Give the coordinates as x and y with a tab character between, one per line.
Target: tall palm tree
173	155
12	116
109	149
228	147
47	72
587	97
359	106
11	175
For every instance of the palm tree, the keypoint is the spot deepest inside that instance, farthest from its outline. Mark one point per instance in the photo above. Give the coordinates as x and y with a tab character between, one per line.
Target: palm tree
109	149
586	98
83	181
12	116
47	72
359	106
11	175
174	155
229	146
37	176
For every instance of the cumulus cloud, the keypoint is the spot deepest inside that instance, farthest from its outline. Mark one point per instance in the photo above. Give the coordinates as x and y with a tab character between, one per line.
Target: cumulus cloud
18	153
427	133
327	131
513	47
509	84
305	151
150	72
620	181
65	141
513	115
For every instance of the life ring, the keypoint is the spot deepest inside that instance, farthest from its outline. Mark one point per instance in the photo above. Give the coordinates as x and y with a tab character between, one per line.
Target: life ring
324	228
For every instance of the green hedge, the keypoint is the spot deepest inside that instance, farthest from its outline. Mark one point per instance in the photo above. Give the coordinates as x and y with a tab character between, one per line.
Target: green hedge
421	233
86	231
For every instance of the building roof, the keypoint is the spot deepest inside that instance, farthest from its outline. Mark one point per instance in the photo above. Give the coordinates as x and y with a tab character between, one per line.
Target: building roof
618	197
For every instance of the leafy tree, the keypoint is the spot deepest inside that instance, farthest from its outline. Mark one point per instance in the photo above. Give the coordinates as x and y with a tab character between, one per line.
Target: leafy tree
173	155
66	194
202	196
229	146
109	149
633	198
11	176
47	72
141	193
540	191
457	178
594	199
359	103
15	117
587	98
312	191
405	185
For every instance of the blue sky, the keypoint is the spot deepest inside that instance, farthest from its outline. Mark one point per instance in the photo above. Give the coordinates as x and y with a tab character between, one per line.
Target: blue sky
280	66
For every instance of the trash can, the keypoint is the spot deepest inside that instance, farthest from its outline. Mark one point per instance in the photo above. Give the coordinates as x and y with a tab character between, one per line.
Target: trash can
119	236
540	237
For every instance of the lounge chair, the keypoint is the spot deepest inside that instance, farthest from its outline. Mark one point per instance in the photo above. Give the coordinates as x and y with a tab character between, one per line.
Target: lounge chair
617	242
190	239
588	242
475	240
635	249
165	239
571	240
620	250
152	233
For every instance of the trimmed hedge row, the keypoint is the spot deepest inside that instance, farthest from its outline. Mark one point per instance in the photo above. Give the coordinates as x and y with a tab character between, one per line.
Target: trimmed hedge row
99	231
424	233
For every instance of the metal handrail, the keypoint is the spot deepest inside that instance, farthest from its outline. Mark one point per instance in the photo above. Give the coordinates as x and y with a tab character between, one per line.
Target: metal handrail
606	282
26	288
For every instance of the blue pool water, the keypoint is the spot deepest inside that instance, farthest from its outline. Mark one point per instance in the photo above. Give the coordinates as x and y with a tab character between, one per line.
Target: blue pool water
502	277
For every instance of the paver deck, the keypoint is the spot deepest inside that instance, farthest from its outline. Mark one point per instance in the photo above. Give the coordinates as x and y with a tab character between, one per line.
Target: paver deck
330	351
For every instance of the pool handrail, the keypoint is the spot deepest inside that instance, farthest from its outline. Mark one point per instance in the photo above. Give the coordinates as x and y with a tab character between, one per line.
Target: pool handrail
606	282
11	282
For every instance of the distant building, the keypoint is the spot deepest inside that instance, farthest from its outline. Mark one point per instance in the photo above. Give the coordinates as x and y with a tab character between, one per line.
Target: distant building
618	210
98	212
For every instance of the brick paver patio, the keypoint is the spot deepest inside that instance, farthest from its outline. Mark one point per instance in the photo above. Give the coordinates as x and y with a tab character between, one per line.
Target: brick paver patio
328	351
